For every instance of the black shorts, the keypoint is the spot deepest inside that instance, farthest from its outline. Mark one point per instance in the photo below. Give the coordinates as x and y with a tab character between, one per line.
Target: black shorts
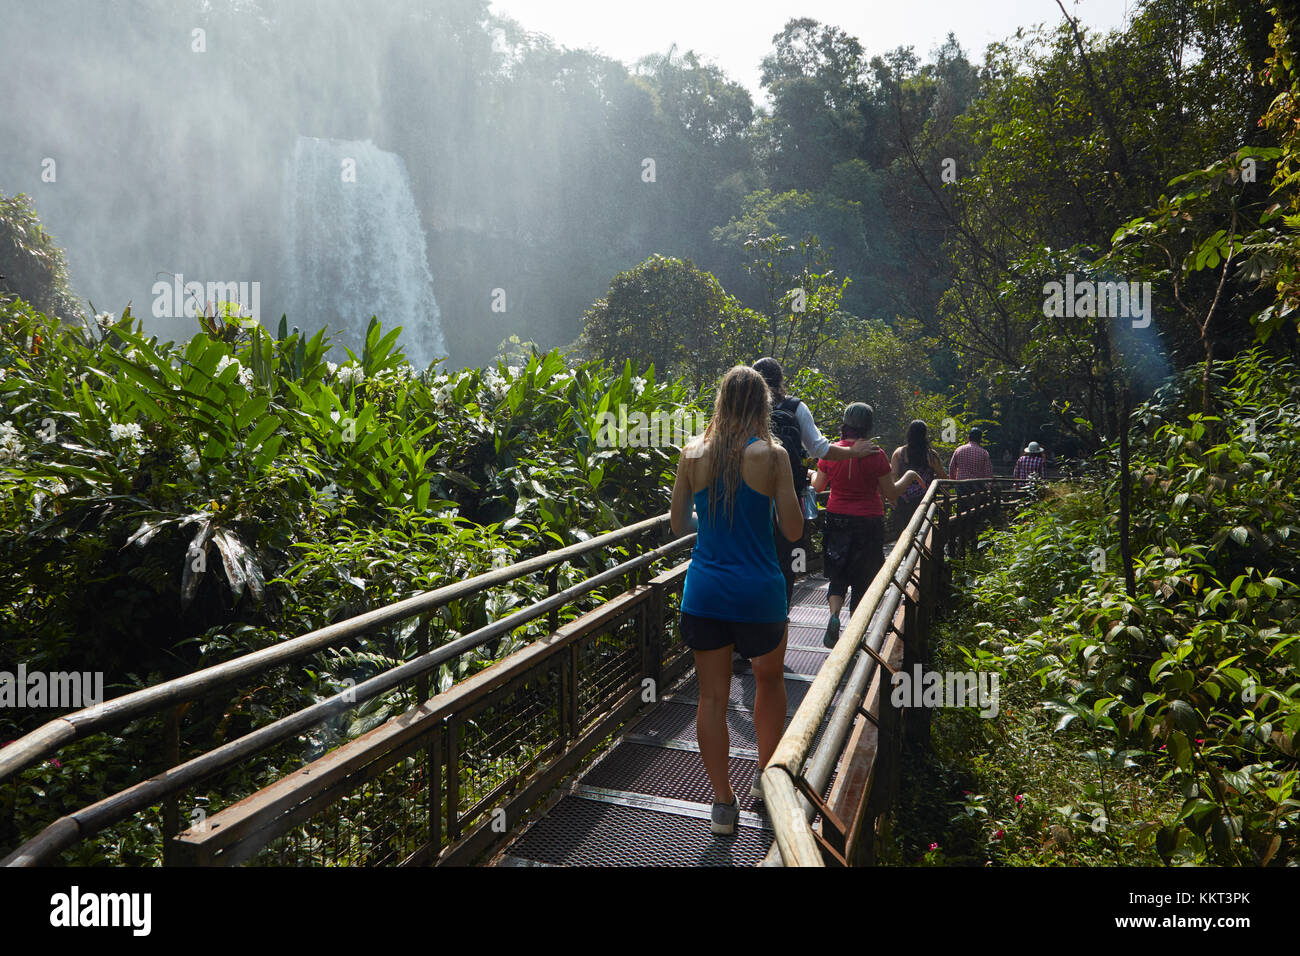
902	514
854	552
751	638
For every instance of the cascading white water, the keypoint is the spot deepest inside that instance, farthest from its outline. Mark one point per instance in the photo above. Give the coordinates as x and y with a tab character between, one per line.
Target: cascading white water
355	247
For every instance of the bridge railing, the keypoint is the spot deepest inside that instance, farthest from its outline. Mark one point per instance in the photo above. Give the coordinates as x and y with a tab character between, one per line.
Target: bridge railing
165	789
449	780
441	782
861	743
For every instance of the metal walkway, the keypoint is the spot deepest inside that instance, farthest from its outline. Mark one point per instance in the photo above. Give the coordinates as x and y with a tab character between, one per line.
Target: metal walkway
646	801
552	755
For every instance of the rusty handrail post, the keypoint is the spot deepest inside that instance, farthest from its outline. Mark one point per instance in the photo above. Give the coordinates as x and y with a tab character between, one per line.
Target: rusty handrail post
574	715
171	805
453	780
422	648
552	585
433	756
654	645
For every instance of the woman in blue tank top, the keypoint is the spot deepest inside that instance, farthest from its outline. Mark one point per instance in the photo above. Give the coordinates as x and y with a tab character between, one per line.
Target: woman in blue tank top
734	594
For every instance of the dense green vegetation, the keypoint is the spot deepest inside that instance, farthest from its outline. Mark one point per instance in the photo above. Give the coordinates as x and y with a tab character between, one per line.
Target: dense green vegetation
30	262
167	506
1157	726
889	230
1146	627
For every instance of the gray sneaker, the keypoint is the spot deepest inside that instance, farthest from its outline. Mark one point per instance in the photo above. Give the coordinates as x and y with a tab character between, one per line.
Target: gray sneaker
756	788
725	816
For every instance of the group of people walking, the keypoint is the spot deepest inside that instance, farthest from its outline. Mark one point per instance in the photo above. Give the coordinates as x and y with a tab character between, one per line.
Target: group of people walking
740	490
743	489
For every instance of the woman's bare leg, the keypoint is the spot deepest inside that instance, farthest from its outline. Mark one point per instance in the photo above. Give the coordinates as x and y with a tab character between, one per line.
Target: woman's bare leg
836	602
713	669
769	701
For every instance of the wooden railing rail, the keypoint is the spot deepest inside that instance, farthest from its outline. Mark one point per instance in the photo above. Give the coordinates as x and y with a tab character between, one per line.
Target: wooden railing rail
862	735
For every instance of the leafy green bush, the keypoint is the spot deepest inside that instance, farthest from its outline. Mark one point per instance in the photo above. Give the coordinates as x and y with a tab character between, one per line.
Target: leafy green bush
32	267
1195	682
165	507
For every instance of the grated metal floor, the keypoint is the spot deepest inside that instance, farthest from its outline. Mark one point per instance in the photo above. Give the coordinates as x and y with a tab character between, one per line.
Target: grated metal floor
647	800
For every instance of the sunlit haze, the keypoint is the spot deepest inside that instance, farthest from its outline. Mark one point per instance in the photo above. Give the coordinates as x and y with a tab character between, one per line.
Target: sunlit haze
628	31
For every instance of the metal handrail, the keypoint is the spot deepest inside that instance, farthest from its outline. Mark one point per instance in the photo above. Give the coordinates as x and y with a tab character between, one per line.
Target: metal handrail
244	829
69	829
790	813
91	819
46	739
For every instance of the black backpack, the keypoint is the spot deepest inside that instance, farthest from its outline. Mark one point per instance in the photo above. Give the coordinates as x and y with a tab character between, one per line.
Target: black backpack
785	428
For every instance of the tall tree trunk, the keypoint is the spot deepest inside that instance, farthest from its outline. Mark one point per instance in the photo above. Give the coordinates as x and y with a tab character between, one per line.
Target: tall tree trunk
1125	486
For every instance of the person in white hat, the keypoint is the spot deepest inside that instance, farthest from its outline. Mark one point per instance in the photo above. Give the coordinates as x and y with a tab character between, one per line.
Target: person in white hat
1031	464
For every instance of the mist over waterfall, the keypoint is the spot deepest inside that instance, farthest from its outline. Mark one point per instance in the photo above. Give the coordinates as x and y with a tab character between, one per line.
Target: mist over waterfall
354	246
498	176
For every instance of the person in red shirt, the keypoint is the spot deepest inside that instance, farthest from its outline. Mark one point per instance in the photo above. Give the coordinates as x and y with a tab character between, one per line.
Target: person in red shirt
854	538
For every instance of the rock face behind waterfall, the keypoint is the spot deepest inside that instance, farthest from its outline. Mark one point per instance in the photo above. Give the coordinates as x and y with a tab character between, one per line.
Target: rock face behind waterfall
355	247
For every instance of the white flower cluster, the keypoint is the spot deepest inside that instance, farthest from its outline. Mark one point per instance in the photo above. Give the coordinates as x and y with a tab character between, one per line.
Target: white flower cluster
331	368
441	387
191	459
104	319
11	447
130	432
351	374
3	374
245	375
495	383
638	385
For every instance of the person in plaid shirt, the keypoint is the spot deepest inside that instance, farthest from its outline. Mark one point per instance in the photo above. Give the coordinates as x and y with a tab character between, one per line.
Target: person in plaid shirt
1031	464
971	460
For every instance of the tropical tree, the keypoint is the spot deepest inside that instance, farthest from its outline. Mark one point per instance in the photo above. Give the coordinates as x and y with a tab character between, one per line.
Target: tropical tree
665	311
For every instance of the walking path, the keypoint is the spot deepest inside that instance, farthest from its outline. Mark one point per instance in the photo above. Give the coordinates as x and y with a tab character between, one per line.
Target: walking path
647	800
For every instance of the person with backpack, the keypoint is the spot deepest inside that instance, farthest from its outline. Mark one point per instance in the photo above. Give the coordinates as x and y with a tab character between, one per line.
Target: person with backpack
854	540
793	426
920	457
734	477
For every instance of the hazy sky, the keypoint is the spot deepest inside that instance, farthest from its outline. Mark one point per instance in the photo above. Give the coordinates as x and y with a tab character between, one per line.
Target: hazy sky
736	34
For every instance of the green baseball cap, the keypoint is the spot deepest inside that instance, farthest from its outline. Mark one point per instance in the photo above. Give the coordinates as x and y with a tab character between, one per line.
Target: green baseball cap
859	415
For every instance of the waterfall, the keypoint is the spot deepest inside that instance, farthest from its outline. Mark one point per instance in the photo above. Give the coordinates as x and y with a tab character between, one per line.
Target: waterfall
355	247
